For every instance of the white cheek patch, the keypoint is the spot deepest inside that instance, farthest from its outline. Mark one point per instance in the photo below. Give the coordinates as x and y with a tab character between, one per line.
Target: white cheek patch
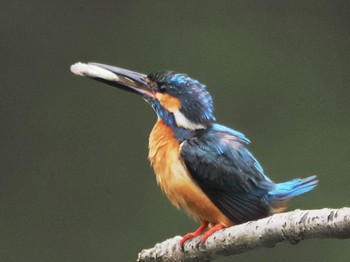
184	122
94	71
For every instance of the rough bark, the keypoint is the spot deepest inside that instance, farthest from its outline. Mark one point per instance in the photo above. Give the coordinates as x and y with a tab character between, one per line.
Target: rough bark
292	227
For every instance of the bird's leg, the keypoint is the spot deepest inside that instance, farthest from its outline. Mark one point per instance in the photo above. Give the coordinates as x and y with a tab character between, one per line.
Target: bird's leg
211	231
198	232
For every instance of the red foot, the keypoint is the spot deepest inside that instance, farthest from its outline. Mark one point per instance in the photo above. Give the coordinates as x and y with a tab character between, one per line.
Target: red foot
198	232
211	231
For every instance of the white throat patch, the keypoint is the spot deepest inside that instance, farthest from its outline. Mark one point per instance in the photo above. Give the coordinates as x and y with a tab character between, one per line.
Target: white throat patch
184	122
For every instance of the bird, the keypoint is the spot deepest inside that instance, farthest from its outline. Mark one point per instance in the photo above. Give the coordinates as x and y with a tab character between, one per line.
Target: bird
203	167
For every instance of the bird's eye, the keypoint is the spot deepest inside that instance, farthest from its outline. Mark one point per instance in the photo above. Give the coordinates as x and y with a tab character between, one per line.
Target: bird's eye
162	89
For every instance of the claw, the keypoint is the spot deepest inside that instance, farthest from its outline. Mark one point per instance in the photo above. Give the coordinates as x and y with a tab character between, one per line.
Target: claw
198	232
210	232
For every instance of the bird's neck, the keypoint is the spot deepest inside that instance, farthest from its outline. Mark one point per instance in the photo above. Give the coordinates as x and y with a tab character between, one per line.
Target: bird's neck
179	133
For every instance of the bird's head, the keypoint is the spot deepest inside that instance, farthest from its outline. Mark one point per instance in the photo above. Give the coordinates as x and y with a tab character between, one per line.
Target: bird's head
177	99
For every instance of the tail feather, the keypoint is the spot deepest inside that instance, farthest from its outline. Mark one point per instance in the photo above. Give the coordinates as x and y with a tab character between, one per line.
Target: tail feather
284	191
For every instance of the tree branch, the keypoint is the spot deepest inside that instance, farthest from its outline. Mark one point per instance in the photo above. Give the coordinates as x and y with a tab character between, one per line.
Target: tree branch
292	227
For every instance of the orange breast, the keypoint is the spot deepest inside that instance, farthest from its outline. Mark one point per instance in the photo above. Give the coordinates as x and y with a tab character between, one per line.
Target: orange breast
173	177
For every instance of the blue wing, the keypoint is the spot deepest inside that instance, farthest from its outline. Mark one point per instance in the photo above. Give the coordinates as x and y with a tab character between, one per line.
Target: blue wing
228	173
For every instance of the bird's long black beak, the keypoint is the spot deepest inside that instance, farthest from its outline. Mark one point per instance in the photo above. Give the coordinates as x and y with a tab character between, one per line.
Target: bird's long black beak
118	77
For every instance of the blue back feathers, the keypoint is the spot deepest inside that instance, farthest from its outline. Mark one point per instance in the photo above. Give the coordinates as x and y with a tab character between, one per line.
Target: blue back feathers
232	178
224	129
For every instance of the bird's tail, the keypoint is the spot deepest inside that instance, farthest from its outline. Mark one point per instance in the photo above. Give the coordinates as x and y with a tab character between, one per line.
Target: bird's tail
283	192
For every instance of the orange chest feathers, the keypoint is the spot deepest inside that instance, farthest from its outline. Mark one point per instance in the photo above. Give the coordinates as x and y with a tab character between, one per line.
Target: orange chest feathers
173	177
164	155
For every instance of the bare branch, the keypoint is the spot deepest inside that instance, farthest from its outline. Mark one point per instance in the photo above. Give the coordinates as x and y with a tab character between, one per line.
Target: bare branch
292	227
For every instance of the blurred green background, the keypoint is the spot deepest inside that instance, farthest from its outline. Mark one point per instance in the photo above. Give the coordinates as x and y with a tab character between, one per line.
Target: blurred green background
75	181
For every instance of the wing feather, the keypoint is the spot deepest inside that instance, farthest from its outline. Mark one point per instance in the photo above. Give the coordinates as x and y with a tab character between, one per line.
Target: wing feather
228	174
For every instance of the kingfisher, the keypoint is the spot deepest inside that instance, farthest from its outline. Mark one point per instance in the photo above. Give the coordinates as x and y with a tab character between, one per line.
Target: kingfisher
203	167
